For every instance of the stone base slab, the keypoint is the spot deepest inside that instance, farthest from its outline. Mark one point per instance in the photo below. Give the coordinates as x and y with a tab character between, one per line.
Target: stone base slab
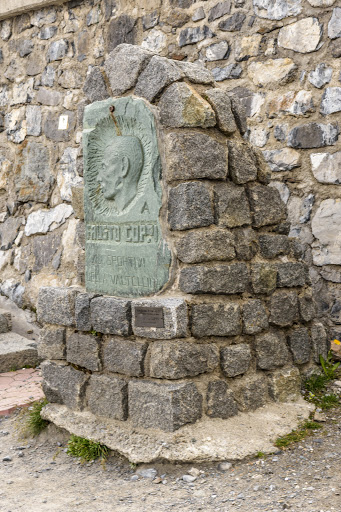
16	352
206	441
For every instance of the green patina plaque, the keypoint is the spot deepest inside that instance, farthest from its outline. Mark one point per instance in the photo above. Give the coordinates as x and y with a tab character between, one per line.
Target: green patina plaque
125	254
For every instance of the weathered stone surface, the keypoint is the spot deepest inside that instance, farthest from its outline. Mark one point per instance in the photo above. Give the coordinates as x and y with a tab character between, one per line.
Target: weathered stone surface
83	350
110	316
219	10
235	360
284	159
189	156
205	245
221	279
156	41
57	50
300	345
5	322
294	103
272	72
95	88
35	180
264	278
277	9
303	36
291	274
43	17
334	25
124	356
62	384
163	406
229	72
56	306
15	124
217	319
283	308
159	73
108	397
192	35
326	167
199	14
217	51
221	104
220	400
179	359
122	29
231	205
248	46
252	393
271	350
242	163
196	72
255	318
335	48
43	221
189	206
47	33
326	229
9	231
307	307
47	97
181	106
331	101
123	66
321	75
67	176
50	126
82	311
48	76
44	250
320	344
245	243
33	120
6	29
51	344
234	23
271	246
175	318
285	385
25	47
313	135
150	20
77	200
266	206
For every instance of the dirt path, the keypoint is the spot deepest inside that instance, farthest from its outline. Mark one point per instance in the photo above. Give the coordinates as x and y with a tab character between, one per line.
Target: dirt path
41	477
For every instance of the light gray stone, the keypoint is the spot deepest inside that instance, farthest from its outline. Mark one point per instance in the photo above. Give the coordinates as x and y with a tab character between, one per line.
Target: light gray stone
159	73
33	120
221	104
235	359
48	75
83	350
205	245
47	97
217	51
196	72
71	78
175	318
272	72
6	29
220	401
15	124
150	20
280	160
16	352
252	392
331	101
303	36
155	41
36	179
320	344
271	350
62	384
199	14
42	221
334	25
277	9
219	10
255	318
192	35
219	319
9	231
44	17
57	50
108	397
50	126
221	279
25	47
283	308
22	92
300	345
321	75
67	176
47	33
56	306
110	316
326	229
313	135
326	167
190	206
229	72
124	356
285	385
231	205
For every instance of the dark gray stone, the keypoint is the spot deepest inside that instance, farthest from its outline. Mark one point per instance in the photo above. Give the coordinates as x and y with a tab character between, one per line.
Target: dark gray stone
63	384
124	356
242	163
252	393
192	35
9	231
178	359
229	72
291	274
159	73
266	205
239	112
51	344
220	400
319	340
245	243
219	10
50	126
121	30
234	23
235	360
56	306
95	88
190	206
335	48
25	47
5	322
221	104
300	345
307	307
183	4
271	246
199	14
283	308
48	76
108	397
255	318
150	20
57	50
264	278
189	156
205	245
231	205
175	318
218	319
313	135
82	312
220	279
83	350
111	316
164	406
44	249
272	351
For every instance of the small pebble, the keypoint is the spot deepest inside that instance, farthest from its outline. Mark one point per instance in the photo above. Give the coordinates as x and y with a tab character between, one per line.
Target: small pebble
224	466
189	478
6	459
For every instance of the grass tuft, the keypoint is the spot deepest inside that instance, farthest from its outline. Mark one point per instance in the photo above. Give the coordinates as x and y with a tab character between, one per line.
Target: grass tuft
35	423
297	435
87	450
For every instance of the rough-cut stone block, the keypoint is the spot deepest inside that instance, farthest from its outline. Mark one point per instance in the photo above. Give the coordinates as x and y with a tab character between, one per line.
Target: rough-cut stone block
196	72
219	319
252	393
83	350
111	316
205	245
51	343
219	10
95	88
181	106
306	307
291	274
192	35
232	206
272	351
255	318
175	318
264	278
164	406
266	205
300	345
271	246
320	344
179	359
220	400
123	66
283	308
190	206
122	29
313	135
224	279
82	312
245	242
108	397
189	157
159	73
124	356
242	163
5	322
56	306
221	104
285	385
62	384
235	360
331	100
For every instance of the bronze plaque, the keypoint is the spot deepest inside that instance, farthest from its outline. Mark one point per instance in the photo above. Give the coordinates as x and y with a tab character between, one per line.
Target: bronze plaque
149	317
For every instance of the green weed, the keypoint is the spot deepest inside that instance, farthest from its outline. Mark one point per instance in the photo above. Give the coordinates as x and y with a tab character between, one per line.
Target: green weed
305	430
329	367
87	450
260	455
35	423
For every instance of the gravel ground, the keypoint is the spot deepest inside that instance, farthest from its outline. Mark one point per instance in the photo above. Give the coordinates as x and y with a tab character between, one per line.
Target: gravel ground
40	476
